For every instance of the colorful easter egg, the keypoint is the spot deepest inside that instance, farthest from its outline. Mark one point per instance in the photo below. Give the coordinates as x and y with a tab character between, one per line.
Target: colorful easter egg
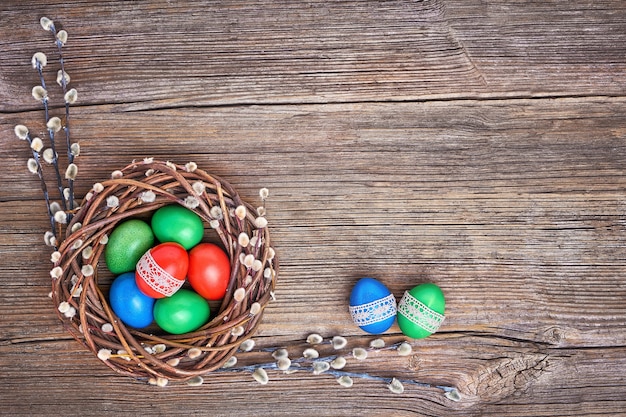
209	271
161	271
175	223
372	306
421	311
133	307
181	313
127	243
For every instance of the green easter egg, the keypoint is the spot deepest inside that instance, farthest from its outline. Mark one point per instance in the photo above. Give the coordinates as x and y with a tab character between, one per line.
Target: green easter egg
127	243
175	223
183	312
421	311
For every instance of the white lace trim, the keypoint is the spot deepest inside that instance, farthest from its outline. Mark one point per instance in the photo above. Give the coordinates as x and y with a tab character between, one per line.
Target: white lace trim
418	313
374	312
156	277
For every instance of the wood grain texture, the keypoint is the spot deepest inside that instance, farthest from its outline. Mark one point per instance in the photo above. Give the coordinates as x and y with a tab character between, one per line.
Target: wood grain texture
476	145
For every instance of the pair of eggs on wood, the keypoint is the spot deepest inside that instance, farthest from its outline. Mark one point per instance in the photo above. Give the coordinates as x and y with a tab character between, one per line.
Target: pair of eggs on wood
420	311
153	289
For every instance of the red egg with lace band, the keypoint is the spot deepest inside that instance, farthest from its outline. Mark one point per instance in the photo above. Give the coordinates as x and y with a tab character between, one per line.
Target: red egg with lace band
161	271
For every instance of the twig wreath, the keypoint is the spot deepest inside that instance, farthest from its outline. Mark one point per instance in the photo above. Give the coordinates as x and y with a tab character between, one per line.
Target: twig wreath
79	233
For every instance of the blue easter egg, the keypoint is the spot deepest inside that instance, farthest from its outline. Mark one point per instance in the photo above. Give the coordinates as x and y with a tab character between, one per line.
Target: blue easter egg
372	306
133	307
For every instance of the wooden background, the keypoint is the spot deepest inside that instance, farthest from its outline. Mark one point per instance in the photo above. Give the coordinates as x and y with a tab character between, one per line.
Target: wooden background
478	145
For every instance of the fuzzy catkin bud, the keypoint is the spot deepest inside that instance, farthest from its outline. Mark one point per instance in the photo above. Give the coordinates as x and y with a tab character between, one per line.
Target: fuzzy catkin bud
39	93
87	252
404	349
63	307
241	212
48	238
264	193
194	353
247	345
216	212
255	308
345	381
71	96
48	156
280	353
71	172
21	131
75	149
310	353
239	294
32	165
232	361
56	272
260	222
113	201
248	260
191	202
63	78
377	343
46	23
36	144
396	386
359	353
320	367
60	217
198	187
283	363
191	166
237	331
147	196
243	239
338	363
260	376
55	207
55	256
39	59
62	37
339	342
257	265
173	362
196	381
54	124
87	270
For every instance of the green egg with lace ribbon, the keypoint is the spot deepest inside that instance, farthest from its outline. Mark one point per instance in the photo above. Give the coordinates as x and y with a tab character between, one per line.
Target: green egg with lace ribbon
421	311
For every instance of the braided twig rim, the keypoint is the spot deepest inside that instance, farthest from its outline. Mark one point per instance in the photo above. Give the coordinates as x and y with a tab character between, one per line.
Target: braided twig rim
144	355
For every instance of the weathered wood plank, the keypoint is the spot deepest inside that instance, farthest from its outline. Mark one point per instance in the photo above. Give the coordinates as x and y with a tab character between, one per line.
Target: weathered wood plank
279	52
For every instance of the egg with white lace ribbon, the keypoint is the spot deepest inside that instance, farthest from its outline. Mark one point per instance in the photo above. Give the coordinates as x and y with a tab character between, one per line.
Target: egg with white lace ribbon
372	306
421	311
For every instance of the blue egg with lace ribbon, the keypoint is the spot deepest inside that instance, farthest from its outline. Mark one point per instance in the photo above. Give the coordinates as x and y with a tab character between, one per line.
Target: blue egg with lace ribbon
372	306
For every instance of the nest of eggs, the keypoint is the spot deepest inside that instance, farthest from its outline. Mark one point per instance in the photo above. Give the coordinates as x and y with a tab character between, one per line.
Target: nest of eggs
136	191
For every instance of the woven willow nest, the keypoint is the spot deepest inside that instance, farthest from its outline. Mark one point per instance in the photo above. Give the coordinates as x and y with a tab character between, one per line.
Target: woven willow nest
136	191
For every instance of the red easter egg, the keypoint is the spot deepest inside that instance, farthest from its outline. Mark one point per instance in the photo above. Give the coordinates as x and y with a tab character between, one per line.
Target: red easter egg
161	271
209	271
